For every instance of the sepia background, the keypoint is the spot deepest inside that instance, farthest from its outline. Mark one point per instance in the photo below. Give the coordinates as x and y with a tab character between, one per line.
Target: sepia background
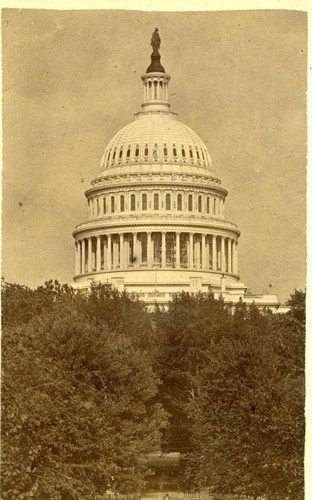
71	80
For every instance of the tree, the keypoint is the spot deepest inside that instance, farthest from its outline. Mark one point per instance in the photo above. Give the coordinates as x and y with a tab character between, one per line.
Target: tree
248	418
79	401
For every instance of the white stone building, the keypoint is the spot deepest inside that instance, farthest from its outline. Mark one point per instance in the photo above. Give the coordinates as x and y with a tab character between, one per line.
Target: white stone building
156	210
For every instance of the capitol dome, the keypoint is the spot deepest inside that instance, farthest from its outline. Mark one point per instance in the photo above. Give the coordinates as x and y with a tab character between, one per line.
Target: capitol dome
156	137
156	220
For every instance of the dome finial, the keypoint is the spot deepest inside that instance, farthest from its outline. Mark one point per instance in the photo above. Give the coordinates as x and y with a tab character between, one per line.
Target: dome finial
155	65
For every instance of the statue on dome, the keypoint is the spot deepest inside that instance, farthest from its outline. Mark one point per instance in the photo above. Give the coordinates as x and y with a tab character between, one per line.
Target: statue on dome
155	41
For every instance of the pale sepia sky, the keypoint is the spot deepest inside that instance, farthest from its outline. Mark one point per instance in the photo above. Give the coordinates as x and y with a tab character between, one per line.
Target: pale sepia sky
71	79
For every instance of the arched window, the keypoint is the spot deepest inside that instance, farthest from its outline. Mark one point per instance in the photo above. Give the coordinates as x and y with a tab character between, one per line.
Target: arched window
190	202
128	152
199	203
165	151
114	154
104	205
98	206
214	206
132	202
156	201
122	203
179	201
144	201
120	154
183	152
146	151
108	158
208	205
137	151
174	151
191	153
112	204
197	154
168	201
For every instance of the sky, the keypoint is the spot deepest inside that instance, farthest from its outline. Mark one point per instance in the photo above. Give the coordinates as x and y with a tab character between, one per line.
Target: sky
71	80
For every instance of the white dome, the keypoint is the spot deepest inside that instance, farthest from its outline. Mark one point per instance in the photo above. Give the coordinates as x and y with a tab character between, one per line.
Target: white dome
159	138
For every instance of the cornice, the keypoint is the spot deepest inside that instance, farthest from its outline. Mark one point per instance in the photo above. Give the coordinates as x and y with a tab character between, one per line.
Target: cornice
129	226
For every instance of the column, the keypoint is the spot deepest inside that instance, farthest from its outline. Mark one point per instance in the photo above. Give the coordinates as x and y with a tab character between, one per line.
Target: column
235	257
214	252
76	258
98	253
203	252
89	255
191	255
178	250
83	256
208	248
149	249
121	250
163	250
222	254
115	252
139	251
229	248
135	250
109	252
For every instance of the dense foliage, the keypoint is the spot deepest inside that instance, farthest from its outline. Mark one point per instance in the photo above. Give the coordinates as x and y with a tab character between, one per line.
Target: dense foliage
92	382
79	394
233	384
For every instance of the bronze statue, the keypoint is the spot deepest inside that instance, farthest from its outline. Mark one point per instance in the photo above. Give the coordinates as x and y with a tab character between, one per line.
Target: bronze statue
155	41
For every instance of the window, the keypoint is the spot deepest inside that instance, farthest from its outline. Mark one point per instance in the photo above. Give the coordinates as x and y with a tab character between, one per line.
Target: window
144	202
208	205
191	153
137	151
128	152
112	204
199	203
122	203
114	154
165	151
98	206
146	151
120	154
104	205
190	202
179	201
168	201
197	154
156	201
174	151
183	152
214	206
132	202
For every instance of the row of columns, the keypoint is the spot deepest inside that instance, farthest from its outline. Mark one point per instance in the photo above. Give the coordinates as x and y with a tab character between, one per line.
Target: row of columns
101	205
155	90
154	249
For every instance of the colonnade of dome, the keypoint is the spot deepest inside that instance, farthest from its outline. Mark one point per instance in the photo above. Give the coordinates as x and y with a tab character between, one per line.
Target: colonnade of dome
150	250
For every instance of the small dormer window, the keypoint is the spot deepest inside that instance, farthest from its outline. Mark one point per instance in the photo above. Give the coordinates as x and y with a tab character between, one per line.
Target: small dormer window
128	152
183	152
191	153
174	151
120	154
137	151
197	154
